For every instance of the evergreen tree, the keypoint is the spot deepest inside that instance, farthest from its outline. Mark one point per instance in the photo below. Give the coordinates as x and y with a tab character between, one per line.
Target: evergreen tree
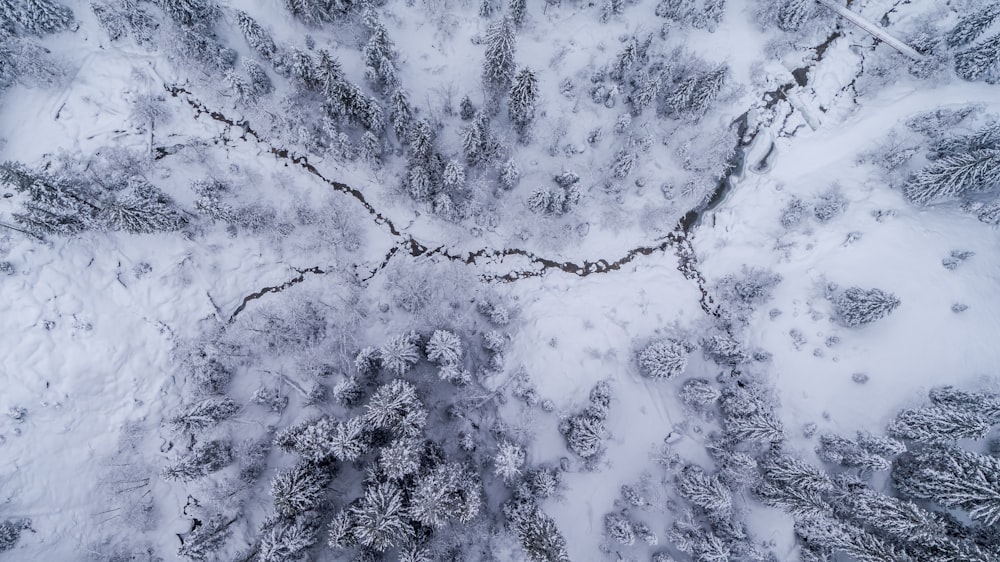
724	350
54	205
980	61
286	541
981	403
445	348
205	539
402	115
379	518
498	67
699	393
35	17
644	91
857	307
619	528
400	353
828	533
843	451
395	406
901	520
367	362
341	531
584	434
421	141
205	458
954	175
371	149
508	460
973	25
257	37
953	478
798	502
792	472
301	67
793	14
311	12
454	175
189	13
204	414
299	489
379	55
348	441
474	141
448	492
142	208
537	532
882	446
705	491
401	458
523	96
466	110
665	359
510	175
517	10
934	424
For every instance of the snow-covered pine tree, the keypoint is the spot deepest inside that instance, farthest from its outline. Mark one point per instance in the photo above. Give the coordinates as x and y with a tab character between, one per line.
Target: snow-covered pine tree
793	14
257	37
795	473
141	208
444	347
619	528
537	532
54	206
623	163
341	531
827	533
474	140
973	25
510	175
380	517
880	445
284	540
419	184
840	450
401	458
706	89
954	175
395	406
206	539
902	521
584	434
980	61
934	424
204	413
699	393
299	489
522	100
379	56
665	359
189	13
400	353
797	502
857	307
953	478
508	461
311	12
402	115
466	109
498	66
348	440
517	10
981	403
645	90
205	458
35	17
454	175
705	491
450	491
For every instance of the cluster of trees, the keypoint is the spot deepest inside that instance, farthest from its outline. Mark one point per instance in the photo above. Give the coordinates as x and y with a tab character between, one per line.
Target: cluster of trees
960	165
21	59
695	13
585	431
976	58
61	204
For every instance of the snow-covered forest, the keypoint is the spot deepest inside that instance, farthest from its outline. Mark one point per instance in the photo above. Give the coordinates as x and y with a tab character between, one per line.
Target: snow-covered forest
500	280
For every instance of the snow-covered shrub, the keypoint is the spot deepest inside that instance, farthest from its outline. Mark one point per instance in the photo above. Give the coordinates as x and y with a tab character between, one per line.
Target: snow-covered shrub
665	359
740	294
724	350
793	213
10	531
956	258
857	307
830	205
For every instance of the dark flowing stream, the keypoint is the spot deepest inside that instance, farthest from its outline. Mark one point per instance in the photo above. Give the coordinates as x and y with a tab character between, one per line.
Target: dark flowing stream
679	238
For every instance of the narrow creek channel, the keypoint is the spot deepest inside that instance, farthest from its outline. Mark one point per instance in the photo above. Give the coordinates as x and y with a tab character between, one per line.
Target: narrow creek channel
679	239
